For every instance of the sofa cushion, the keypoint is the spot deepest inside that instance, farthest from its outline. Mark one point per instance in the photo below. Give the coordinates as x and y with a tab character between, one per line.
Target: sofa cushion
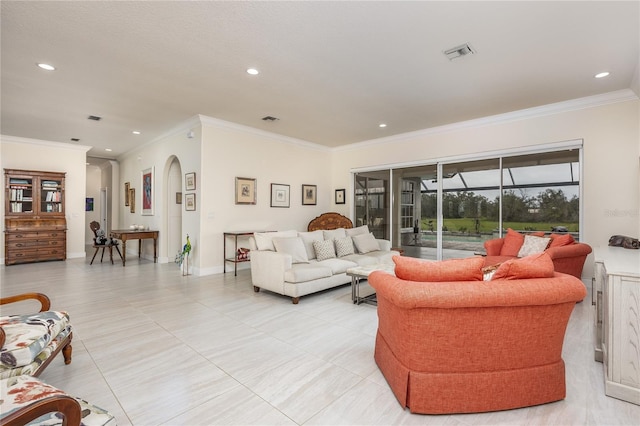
360	230
264	240
334	234
512	243
365	243
303	272
558	240
412	269
344	246
533	245
338	266
26	336
535	266
324	249
292	246
308	238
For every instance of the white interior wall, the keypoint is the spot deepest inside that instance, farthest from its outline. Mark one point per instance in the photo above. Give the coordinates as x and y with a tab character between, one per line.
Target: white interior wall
94	179
611	175
32	154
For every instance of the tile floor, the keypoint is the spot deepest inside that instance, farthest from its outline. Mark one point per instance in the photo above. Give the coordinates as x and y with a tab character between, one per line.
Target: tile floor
157	348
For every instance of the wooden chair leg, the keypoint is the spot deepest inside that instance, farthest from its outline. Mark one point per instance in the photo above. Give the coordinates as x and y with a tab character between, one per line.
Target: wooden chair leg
102	257
118	250
94	255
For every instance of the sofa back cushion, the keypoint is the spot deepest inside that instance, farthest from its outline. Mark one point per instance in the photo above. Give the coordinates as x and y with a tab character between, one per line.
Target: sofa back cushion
308	238
512	243
365	243
412	269
360	230
535	266
334	234
292	246
264	240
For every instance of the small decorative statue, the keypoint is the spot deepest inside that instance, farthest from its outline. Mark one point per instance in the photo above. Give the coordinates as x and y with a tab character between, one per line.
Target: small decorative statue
186	249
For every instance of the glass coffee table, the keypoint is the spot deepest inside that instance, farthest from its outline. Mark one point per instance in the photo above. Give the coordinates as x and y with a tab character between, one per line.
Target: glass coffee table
359	273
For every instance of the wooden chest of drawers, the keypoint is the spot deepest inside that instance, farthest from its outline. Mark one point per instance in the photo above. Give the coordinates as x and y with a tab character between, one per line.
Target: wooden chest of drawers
47	241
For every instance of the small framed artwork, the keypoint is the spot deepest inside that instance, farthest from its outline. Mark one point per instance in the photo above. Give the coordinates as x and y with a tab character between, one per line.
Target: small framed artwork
178	197
88	205
340	196
190	202
190	181
245	190
309	195
132	200
279	195
127	185
147	192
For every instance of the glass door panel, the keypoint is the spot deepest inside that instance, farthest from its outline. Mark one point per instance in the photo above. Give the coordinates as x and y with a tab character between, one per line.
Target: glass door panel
372	202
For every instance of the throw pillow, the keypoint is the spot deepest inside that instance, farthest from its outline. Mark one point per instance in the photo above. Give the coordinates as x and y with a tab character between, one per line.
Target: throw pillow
533	245
264	240
366	243
324	250
292	246
535	266
488	271
412	269
344	246
308	238
360	230
558	240
334	234
512	243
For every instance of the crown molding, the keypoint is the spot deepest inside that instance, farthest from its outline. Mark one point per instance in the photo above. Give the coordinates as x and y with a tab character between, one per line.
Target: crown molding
40	142
524	114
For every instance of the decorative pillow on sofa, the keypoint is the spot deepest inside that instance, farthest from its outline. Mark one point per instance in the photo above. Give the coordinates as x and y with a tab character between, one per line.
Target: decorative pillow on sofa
344	246
533	245
558	240
324	250
334	234
535	266
264	240
365	243
308	238
294	247
360	230
512	243
412	269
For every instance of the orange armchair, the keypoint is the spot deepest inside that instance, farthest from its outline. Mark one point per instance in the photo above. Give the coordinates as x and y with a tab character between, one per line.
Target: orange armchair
473	346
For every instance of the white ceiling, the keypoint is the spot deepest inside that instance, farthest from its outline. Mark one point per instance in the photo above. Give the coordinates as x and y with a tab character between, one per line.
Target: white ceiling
330	71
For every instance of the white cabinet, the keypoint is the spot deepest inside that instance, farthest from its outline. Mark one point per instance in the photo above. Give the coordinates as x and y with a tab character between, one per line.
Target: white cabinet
617	320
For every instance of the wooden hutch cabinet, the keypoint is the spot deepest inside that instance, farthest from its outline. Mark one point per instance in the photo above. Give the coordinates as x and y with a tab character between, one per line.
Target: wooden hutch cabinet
35	224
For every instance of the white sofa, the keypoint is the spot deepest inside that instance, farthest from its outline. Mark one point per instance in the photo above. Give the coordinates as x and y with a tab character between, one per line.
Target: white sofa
295	263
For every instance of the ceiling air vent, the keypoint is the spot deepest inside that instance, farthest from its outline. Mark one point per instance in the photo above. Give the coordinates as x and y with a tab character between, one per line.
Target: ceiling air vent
458	51
94	118
270	118
75	140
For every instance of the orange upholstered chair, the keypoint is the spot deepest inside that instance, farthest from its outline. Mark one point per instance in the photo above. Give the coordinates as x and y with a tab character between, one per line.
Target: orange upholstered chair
473	346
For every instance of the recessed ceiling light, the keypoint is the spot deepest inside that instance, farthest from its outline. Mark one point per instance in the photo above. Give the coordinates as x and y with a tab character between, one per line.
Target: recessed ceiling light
47	67
108	149
253	71
381	125
136	132
602	74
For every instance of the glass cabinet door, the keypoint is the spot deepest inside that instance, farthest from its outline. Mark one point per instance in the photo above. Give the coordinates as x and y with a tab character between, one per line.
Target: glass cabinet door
51	196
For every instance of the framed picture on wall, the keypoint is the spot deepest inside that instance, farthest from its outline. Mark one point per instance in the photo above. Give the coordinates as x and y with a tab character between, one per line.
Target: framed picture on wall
132	200
340	196
309	195
245	190
127	185
279	195
178	197
190	202
190	181
147	192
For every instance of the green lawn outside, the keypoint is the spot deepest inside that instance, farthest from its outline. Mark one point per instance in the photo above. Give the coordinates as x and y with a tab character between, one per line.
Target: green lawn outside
487	226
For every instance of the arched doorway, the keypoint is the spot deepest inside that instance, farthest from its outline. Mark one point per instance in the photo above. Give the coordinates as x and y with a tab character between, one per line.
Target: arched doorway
174	209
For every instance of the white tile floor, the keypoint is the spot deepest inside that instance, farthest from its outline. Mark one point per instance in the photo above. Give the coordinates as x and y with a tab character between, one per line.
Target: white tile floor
156	348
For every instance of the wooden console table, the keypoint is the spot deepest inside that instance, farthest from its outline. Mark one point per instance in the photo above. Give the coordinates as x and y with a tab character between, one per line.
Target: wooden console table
129	234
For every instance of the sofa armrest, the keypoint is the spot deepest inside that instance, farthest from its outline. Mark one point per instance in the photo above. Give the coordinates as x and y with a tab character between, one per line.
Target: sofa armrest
494	246
572	250
385	245
268	268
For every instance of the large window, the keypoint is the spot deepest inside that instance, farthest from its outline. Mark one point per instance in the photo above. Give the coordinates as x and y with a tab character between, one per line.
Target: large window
449	209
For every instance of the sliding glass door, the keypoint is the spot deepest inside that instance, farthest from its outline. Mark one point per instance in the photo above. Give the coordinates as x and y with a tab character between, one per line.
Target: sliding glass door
371	199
